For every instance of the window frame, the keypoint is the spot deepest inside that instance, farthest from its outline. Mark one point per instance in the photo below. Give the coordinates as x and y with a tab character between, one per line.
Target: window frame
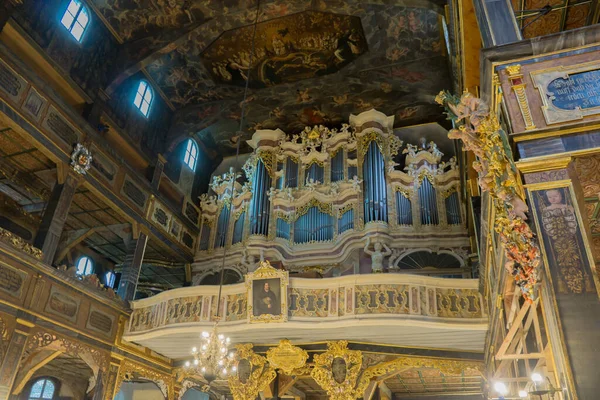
45	381
147	91
89	263
82	10
110	277
189	156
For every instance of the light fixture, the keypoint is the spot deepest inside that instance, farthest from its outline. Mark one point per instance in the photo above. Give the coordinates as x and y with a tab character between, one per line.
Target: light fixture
537	378
212	358
523	394
501	388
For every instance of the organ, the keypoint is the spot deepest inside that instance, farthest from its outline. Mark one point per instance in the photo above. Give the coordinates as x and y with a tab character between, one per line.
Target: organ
303	198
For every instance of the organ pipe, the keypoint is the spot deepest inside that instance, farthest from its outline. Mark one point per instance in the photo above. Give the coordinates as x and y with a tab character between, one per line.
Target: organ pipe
453	209
375	202
259	206
403	210
222	224
428	203
337	167
238	228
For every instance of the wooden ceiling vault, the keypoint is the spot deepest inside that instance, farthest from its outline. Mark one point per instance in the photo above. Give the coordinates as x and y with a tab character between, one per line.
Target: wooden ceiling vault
565	15
27	177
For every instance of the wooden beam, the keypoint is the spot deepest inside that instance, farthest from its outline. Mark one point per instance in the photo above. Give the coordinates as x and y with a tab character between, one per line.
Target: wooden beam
71	240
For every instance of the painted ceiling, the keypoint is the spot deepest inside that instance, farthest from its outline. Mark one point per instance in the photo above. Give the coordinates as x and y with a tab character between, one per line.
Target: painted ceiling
315	62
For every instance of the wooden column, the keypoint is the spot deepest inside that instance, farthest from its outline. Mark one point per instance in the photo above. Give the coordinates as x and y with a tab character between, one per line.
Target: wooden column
131	268
158	170
55	216
12	358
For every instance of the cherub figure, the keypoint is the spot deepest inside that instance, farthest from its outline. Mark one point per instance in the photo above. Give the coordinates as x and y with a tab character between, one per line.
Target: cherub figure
377	255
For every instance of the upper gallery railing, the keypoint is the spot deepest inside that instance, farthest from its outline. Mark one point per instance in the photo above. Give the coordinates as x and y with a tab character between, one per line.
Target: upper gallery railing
322	186
318	300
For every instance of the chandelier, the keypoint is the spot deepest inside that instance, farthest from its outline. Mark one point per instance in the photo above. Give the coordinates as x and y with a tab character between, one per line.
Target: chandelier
211	357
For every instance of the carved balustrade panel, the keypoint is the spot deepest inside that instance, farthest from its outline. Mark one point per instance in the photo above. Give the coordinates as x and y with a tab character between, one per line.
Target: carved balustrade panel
319	300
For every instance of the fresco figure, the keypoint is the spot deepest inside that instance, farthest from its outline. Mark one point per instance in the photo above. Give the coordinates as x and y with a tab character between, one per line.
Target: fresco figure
560	224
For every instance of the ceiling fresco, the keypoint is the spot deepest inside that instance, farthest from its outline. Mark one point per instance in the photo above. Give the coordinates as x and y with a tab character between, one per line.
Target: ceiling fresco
316	62
287	49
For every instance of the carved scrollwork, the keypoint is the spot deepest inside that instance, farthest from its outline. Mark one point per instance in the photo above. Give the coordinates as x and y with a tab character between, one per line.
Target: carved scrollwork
323	207
287	357
339	384
20	244
248	382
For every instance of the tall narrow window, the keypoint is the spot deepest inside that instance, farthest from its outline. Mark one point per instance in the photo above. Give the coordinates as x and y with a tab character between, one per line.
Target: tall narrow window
85	266
42	389
191	154
110	279
143	98
76	19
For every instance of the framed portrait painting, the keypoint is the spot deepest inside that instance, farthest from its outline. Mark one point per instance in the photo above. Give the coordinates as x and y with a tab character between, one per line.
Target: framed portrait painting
267	294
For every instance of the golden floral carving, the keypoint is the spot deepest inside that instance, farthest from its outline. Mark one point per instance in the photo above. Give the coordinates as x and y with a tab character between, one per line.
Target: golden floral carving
481	133
20	244
259	378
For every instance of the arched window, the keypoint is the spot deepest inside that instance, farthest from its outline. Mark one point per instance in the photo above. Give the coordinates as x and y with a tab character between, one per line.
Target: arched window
191	154
85	266
110	279
143	98
76	19
42	389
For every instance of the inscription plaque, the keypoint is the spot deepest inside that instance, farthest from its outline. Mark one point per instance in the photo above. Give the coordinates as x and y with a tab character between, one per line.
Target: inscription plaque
568	93
575	91
11	280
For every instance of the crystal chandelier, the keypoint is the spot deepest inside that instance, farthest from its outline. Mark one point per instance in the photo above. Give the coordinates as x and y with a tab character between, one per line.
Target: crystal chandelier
211	358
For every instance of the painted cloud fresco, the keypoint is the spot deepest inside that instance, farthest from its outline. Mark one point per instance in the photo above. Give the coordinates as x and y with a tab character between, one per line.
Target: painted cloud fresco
318	61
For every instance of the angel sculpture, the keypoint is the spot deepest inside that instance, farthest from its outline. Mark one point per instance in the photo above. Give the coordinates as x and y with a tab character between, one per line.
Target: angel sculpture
377	255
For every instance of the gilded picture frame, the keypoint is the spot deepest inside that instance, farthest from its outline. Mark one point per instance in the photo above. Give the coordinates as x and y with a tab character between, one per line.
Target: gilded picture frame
266	289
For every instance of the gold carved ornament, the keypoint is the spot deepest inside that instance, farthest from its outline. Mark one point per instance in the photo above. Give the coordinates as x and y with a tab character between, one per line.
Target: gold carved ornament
129	371
287	357
269	159
345	209
322	372
364	141
20	244
266	271
260	376
326	208
481	133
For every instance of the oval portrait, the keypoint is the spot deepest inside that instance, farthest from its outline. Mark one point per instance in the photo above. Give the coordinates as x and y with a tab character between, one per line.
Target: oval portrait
338	369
